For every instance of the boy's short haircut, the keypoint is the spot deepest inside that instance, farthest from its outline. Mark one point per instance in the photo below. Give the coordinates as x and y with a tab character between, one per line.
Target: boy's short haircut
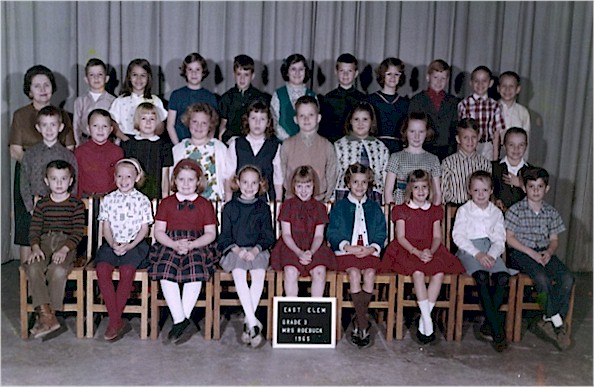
194	57
49	110
511	74
481	68
438	65
358	168
480	175
515	131
38	70
258	106
346	58
467	123
422	116
305	174
99	112
383	68
204	108
304	100
290	60
141	109
95	62
243	62
62	165
534	173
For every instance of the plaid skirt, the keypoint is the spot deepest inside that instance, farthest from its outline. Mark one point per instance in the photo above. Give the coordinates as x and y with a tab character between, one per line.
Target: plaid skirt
196	266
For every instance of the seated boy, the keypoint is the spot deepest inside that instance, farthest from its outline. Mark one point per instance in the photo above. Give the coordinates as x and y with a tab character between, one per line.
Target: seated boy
336	105
486	111
514	114
234	102
441	107
532	229
457	167
57	227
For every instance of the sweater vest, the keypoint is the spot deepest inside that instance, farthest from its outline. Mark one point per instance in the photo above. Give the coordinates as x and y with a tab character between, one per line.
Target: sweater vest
287	111
263	159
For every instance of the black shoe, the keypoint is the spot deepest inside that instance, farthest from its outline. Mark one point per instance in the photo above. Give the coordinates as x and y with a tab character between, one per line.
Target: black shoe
354	339
485	331
188	332
500	345
177	329
365	339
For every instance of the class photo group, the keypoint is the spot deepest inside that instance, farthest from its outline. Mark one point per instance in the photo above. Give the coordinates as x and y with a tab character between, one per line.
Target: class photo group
298	184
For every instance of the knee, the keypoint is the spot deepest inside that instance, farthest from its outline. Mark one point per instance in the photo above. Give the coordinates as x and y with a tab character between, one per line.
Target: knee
57	273
104	270
542	282
418	275
500	279
127	271
318	273
290	274
482	278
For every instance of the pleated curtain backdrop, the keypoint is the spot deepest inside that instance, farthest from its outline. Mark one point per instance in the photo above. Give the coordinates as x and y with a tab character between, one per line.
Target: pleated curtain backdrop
548	43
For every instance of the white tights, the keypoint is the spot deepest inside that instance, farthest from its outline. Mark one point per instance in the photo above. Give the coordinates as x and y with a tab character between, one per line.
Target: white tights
249	296
180	306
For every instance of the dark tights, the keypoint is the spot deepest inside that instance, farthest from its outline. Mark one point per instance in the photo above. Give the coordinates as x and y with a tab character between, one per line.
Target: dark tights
115	300
491	298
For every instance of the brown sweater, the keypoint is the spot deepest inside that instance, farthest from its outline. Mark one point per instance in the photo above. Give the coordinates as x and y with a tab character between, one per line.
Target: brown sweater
67	216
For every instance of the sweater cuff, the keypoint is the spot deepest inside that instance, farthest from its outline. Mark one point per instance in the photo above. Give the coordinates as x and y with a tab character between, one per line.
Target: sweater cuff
378	249
229	248
342	245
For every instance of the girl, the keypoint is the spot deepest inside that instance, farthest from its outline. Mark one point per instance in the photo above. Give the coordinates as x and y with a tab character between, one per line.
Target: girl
360	145
153	153
480	235
416	130
185	251
418	249
126	215
301	250
391	109
246	235
194	70
356	232
295	73
136	88
258	147
209	152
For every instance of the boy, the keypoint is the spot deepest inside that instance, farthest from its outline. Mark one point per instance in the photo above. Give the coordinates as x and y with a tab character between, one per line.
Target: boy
35	160
457	167
440	106
337	103
486	111
96	159
514	114
97	97
235	101
532	229
508	186
57	227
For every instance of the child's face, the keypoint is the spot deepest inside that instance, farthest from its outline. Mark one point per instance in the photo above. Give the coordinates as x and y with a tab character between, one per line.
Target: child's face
416	133
297	73
199	125
307	118
243	78
249	184
391	77
49	127
187	181
361	123
467	139
346	74
358	185
515	147
147	124
481	82
59	180
258	122
480	192
41	90
536	190
96	78
508	88
304	190
139	78
100	128
420	192
126	176
437	80
194	73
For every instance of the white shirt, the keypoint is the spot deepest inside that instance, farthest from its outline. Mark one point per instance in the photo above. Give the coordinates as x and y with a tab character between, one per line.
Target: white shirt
473	222
123	108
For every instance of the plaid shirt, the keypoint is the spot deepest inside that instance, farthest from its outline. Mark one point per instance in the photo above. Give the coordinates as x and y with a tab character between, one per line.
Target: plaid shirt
532	229
486	111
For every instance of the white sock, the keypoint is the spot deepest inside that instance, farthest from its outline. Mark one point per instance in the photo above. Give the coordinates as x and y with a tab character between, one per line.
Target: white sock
256	286
241	283
557	320
171	293
190	296
546	319
424	307
432	304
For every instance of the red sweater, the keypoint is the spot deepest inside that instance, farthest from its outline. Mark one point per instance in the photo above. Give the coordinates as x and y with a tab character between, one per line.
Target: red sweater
96	164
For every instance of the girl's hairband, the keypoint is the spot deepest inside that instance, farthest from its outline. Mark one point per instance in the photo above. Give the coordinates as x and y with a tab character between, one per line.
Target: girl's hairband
132	161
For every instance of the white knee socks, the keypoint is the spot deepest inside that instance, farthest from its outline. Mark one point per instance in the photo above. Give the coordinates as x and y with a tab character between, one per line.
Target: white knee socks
426	326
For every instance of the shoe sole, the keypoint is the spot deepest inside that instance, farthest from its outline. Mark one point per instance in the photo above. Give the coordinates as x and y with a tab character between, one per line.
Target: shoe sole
186	334
54	333
46	332
126	328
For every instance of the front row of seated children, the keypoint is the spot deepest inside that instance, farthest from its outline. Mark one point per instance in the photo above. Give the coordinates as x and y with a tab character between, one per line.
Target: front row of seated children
186	249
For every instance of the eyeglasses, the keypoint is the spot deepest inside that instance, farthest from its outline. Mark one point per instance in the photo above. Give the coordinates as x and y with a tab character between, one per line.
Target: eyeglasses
184	204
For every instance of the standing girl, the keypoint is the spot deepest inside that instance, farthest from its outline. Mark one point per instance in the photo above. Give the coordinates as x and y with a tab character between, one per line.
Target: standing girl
136	88
153	153
210	153
301	250
194	70
295	73
258	147
360	146
185	251
357	232
418	249
126	215
246	235
416	130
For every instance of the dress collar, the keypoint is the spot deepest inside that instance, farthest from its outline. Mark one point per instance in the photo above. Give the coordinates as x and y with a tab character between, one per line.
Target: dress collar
413	205
353	200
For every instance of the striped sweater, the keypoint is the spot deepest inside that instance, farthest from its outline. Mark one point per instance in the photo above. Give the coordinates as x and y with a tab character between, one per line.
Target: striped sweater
67	216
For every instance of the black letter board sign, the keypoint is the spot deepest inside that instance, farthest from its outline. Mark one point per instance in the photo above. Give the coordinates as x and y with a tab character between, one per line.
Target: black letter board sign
304	322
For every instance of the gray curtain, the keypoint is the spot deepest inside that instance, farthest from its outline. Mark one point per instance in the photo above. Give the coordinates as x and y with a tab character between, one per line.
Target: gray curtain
548	43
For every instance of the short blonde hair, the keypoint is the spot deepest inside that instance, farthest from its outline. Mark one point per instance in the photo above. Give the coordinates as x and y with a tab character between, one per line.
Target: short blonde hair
142	109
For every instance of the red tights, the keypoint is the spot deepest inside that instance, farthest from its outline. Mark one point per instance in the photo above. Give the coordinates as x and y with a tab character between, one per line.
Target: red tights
115	300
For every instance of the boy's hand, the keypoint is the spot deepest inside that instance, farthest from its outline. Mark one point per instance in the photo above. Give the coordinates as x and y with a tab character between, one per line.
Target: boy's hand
485	260
35	255
535	256
500	205
545	257
60	255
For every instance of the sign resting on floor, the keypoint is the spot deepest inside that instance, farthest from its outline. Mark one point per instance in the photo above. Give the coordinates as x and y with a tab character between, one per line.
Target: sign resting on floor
304	322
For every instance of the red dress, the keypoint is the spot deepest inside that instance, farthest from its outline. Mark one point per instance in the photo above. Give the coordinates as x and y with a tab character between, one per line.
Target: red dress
304	217
419	231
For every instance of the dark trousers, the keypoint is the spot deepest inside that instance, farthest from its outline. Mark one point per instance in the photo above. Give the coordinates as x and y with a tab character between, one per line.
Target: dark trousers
491	298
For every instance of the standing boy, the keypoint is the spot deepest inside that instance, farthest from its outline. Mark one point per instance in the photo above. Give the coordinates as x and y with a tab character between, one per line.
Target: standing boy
441	107
532	229
338	103
486	111
515	115
234	102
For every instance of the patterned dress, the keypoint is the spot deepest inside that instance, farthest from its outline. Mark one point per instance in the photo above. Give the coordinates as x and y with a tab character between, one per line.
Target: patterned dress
403	162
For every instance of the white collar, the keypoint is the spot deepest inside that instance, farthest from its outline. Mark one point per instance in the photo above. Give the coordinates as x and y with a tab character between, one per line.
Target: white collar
352	199
480	98
413	205
190	197
152	138
511	167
